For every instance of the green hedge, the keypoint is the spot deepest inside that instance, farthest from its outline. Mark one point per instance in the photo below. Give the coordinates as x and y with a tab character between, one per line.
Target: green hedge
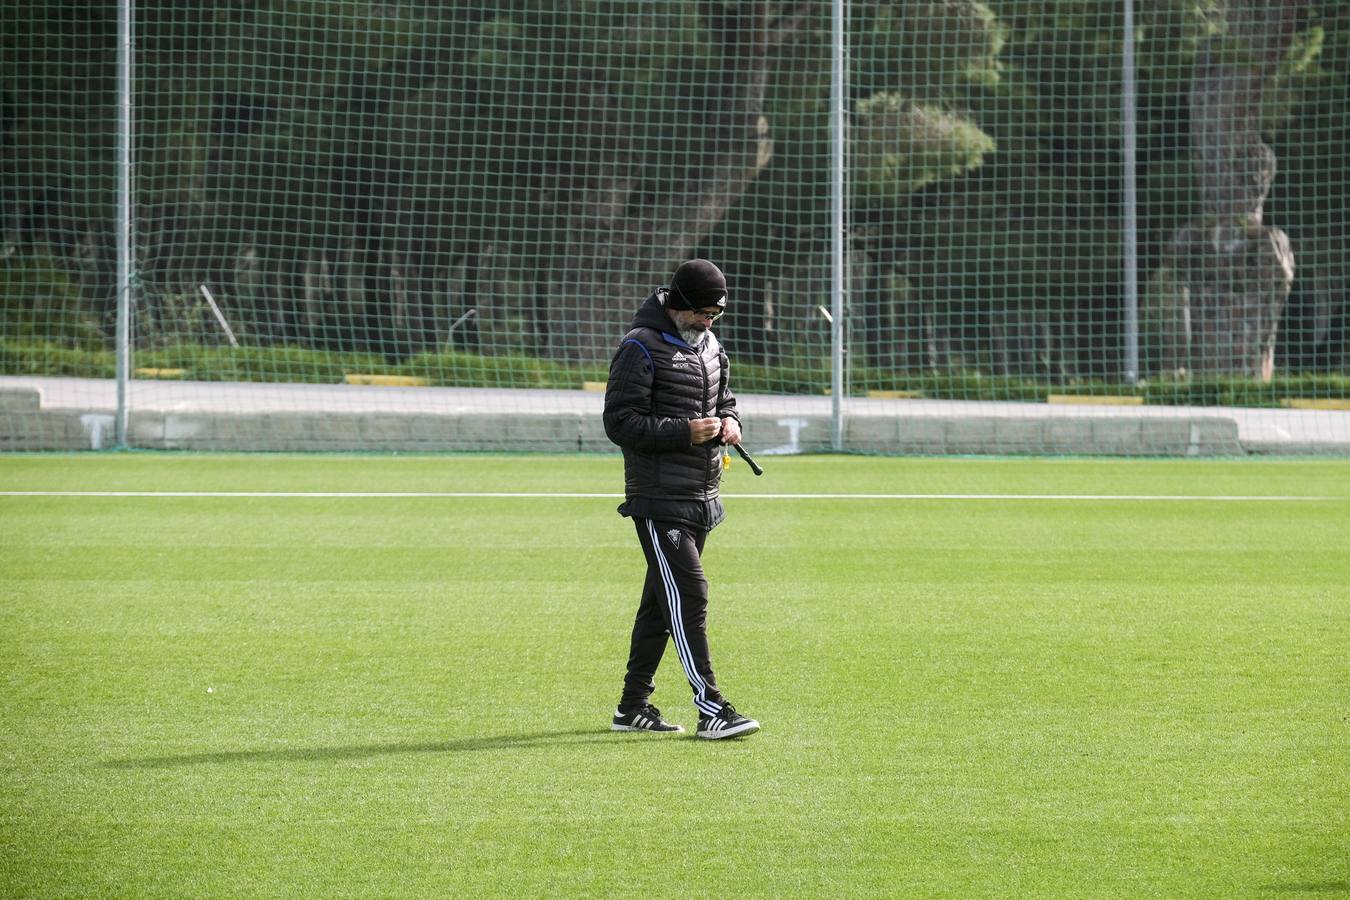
296	365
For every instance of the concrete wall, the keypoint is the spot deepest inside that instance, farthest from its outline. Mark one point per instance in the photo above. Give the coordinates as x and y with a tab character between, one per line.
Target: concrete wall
25	425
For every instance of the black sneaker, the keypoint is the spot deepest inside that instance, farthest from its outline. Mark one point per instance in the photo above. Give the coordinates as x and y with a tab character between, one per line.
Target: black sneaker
726	724
645	718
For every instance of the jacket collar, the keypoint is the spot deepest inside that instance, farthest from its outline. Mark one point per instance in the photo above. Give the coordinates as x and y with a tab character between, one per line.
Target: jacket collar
652	314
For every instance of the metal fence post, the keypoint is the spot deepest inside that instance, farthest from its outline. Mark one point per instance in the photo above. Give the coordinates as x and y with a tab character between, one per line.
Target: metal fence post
122	227
838	254
1130	200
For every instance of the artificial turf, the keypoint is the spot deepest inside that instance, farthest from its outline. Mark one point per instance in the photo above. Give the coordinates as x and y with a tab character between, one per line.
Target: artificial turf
992	689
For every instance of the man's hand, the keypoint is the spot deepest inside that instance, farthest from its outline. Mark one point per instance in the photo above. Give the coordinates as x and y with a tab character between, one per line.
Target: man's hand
731	431
703	430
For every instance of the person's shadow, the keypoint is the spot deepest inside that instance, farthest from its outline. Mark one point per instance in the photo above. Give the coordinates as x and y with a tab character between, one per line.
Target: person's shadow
357	751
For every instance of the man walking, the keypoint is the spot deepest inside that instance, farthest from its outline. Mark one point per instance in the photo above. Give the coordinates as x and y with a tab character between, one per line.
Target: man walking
668	405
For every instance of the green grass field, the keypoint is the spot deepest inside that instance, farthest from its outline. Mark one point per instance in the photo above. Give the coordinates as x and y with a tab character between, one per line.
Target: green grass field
999	695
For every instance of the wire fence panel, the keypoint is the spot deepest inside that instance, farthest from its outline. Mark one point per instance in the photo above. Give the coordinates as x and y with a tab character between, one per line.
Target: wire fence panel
364	226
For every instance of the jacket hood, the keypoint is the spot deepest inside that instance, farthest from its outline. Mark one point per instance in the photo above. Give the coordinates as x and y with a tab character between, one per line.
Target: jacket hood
652	313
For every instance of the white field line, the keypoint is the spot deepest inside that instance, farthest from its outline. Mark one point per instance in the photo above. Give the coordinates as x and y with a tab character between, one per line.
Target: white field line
321	495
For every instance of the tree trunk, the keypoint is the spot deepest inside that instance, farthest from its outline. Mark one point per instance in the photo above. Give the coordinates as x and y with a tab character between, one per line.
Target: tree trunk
614	242
1236	272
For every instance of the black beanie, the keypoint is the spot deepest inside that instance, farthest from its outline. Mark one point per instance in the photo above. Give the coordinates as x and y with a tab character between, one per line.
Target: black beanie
697	284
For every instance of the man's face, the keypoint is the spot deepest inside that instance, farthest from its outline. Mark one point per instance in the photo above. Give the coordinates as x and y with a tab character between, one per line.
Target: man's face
696	319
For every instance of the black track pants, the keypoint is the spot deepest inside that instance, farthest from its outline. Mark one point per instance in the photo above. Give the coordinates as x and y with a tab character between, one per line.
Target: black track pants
674	605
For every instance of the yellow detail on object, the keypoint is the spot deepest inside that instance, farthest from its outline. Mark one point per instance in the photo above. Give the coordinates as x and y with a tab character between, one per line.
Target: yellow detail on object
593	386
1316	403
387	380
1091	400
160	373
726	460
895	395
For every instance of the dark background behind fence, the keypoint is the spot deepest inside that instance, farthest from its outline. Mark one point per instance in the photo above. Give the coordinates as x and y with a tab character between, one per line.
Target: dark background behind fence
442	187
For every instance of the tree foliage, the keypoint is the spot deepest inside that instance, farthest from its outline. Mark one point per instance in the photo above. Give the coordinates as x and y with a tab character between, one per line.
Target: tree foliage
355	176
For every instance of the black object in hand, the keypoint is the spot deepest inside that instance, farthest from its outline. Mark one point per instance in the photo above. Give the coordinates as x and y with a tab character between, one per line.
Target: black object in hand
745	455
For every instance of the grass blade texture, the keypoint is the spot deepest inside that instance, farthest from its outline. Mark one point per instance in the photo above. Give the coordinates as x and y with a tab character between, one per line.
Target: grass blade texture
375	676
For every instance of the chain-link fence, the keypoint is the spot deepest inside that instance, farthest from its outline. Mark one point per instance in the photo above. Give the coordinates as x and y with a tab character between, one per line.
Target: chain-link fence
928	207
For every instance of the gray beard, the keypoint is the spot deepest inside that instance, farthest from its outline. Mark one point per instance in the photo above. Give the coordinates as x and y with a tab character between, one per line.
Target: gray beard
693	336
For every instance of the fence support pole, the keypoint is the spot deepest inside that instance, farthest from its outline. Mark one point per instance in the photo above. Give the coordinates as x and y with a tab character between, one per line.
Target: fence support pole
838	255
122	225
1130	200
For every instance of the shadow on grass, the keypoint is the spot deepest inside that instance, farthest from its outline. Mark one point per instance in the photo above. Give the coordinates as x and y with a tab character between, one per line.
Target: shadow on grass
357	751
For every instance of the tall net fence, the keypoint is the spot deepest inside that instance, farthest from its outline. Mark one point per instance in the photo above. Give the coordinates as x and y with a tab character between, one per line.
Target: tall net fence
368	226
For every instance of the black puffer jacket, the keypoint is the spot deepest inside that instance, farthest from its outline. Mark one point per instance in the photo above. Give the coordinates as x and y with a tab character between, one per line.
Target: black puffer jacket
657	383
